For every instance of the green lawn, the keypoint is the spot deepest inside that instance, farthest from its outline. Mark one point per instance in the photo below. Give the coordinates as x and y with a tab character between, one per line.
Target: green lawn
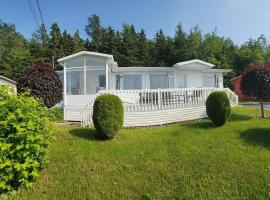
183	161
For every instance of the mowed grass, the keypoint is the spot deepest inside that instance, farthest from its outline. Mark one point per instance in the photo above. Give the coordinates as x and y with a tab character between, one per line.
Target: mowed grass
182	161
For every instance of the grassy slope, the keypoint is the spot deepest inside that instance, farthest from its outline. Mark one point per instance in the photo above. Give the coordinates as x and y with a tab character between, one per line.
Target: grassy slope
184	161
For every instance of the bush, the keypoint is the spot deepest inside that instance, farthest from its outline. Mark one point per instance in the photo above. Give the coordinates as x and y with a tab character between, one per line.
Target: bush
108	115
25	130
57	114
43	82
255	82
218	107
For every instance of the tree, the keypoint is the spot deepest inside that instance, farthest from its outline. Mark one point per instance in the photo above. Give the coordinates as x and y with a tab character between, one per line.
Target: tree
194	43
94	31
129	50
163	50
14	52
78	43
143	45
255	82
55	44
41	36
108	41
180	44
38	45
67	43
43	83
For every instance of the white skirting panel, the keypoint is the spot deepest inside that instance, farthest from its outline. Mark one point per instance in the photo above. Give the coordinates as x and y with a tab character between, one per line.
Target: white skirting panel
144	118
152	118
72	113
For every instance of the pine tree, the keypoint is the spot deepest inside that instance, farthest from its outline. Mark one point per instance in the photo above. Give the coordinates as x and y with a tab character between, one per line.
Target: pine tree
194	43
55	44
163	50
180	44
144	58
108	41
39	45
129	46
67	43
78	42
94	31
41	36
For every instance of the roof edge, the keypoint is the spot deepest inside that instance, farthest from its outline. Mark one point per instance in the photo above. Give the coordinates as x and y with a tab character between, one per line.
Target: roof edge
85	53
7	79
193	61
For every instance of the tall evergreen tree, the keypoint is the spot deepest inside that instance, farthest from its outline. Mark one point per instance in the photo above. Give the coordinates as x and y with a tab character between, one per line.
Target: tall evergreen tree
180	44
108	41
129	46
78	42
55	44
143	45
163	50
67	43
194	43
94	31
41	36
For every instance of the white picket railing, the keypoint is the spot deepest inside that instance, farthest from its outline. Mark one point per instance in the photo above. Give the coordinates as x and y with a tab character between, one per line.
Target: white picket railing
156	100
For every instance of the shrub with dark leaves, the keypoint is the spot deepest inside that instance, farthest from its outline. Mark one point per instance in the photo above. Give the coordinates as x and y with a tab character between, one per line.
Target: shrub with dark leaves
255	82
43	83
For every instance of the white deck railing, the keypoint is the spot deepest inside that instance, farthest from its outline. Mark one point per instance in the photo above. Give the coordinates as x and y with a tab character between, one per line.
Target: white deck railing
157	100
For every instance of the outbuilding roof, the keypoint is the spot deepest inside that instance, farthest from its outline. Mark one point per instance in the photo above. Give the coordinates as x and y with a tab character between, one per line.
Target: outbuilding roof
8	80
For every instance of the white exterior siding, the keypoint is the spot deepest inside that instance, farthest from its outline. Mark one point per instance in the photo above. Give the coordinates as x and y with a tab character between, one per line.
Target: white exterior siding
91	65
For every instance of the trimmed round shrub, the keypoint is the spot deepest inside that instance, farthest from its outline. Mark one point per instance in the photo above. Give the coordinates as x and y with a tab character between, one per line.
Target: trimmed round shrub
43	82
218	107
108	115
25	130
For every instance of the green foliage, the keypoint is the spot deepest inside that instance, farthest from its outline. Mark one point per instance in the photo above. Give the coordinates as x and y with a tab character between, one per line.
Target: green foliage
57	114
192	161
43	82
129	48
218	107
25	130
108	115
14	52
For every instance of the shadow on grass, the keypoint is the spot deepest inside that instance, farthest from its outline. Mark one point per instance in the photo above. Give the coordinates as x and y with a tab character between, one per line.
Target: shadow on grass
200	124
257	137
84	133
237	117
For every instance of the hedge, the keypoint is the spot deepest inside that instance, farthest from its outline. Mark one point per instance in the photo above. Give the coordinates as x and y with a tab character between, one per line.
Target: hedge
218	107
108	115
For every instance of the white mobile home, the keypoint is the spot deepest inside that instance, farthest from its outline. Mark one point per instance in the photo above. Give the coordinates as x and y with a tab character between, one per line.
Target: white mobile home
87	73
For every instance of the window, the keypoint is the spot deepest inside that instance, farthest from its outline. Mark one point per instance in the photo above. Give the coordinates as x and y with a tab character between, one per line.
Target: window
75	82
181	81
102	81
209	80
129	81
159	81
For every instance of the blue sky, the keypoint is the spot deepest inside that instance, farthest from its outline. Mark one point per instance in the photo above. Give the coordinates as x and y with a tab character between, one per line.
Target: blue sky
237	19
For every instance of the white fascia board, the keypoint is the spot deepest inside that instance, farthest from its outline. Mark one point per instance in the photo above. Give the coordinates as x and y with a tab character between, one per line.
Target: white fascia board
218	70
193	61
85	53
142	69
